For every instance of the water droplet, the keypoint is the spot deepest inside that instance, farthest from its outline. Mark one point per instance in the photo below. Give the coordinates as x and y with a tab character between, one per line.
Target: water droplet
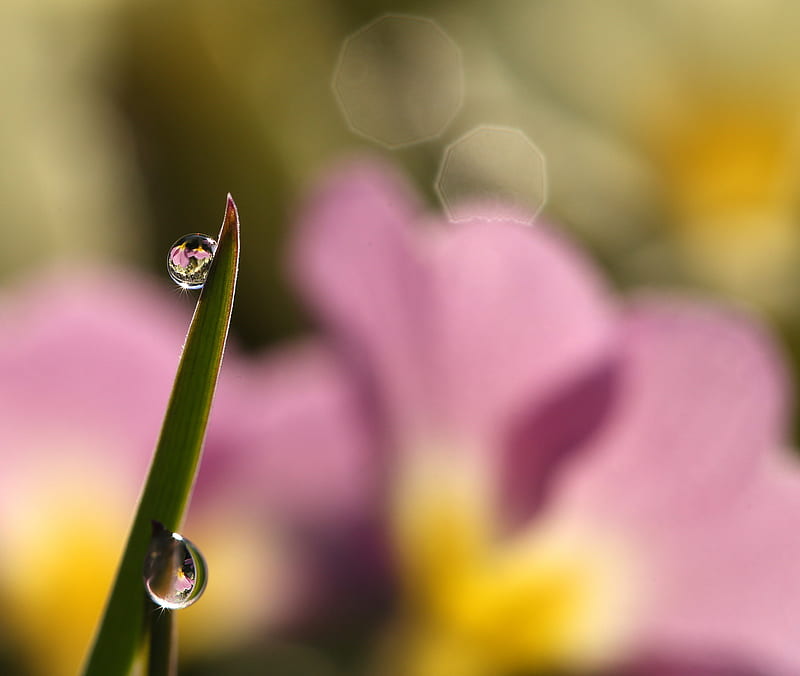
174	570
189	260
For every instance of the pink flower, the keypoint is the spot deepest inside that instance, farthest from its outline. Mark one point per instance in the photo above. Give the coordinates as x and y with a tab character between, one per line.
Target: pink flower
86	365
571	480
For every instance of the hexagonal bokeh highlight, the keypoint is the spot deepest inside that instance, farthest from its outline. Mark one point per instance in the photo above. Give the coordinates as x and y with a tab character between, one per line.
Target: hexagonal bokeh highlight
399	80
492	171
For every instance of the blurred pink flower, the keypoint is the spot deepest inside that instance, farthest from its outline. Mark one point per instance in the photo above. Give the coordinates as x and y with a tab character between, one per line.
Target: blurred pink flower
86	366
572	481
567	481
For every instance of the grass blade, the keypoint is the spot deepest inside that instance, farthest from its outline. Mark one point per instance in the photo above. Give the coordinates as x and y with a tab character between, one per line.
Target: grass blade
174	466
163	659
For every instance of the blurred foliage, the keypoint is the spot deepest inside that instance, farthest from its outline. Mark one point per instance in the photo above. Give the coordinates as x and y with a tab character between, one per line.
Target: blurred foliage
230	97
127	123
135	118
237	97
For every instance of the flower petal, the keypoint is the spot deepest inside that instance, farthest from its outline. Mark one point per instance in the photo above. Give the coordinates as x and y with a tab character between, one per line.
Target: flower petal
678	666
520	314
461	325
94	355
356	261
302	425
701	398
686	470
550	435
728	588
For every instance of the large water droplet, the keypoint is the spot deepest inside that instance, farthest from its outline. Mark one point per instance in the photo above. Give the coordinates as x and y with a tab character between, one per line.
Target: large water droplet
189	260
174	570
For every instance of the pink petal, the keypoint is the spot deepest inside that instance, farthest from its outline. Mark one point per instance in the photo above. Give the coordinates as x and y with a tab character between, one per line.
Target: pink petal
179	256
355	259
302	437
686	667
520	315
199	254
545	438
701	398
730	585
461	325
87	357
686	470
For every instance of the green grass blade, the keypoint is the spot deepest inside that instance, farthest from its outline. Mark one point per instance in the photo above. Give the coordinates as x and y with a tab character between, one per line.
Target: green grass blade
172	472
163	659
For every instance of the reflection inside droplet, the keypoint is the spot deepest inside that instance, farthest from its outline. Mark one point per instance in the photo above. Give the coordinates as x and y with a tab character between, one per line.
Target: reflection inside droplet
189	260
174	570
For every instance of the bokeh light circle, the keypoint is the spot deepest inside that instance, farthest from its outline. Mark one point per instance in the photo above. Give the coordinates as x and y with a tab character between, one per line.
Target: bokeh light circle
492	171
399	80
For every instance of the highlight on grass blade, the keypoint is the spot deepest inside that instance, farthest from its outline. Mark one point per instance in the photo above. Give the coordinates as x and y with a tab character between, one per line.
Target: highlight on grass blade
123	628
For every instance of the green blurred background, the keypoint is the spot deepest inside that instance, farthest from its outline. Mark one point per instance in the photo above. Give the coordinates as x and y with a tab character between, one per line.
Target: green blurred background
669	128
125	124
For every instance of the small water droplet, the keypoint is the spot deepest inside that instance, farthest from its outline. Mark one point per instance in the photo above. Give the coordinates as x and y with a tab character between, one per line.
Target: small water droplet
174	570
189	260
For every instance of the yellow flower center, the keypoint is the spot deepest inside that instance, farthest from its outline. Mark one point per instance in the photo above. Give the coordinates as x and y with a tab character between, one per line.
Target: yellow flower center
60	554
61	547
552	597
730	168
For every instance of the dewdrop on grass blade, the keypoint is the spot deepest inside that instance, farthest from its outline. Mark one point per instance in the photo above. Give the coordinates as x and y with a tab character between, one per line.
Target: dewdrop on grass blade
175	571
189	260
